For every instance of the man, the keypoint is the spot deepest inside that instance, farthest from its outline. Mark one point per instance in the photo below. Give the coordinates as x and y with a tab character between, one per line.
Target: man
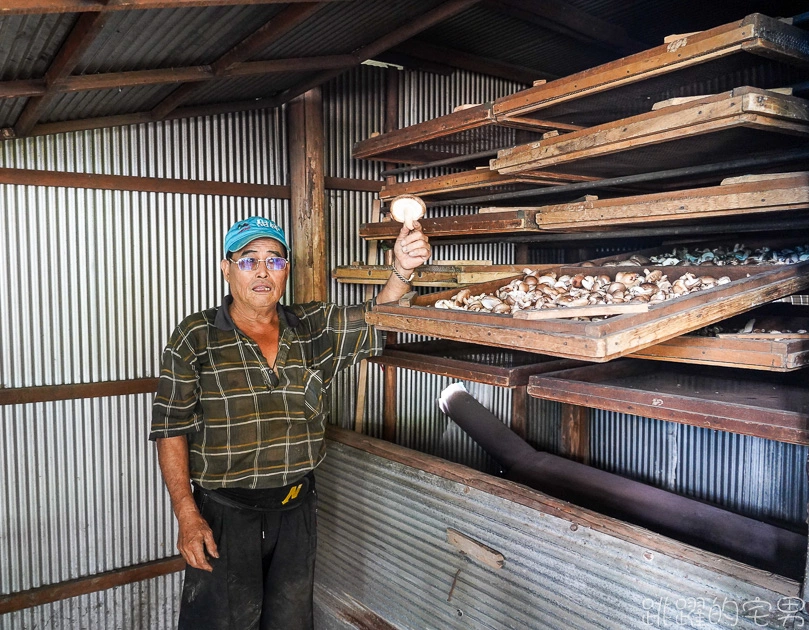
240	412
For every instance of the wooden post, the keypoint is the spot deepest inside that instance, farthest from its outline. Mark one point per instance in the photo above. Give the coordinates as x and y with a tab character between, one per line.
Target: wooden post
575	433
362	381
389	388
521	254
805	585
306	176
519	411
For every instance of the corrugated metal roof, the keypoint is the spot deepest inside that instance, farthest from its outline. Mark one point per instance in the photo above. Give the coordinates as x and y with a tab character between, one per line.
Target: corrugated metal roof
28	42
137	40
484	32
521	35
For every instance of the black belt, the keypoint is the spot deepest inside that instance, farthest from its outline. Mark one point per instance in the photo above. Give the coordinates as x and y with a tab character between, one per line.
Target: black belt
266	499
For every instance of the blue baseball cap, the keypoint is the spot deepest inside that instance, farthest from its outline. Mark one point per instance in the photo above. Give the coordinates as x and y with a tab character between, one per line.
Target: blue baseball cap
242	232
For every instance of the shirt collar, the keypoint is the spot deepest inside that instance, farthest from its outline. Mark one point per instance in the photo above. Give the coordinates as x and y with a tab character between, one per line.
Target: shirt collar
223	321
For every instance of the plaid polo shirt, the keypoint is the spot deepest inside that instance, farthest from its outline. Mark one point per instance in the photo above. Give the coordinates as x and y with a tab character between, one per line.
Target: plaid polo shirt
216	387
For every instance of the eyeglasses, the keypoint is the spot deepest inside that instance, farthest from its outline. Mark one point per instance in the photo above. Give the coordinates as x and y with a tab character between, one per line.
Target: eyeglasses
273	263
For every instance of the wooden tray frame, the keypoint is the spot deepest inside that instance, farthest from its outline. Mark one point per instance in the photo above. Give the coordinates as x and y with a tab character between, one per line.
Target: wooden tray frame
601	340
429	357
772	355
742	108
757	35
588	386
445	186
784	353
769	193
774	193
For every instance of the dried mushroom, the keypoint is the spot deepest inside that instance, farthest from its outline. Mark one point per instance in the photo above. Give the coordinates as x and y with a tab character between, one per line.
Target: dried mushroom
546	291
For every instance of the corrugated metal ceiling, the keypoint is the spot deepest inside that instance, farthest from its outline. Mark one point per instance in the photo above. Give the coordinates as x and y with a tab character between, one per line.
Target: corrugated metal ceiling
535	38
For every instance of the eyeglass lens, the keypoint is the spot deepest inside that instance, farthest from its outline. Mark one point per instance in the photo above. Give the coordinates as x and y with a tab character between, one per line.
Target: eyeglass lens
272	263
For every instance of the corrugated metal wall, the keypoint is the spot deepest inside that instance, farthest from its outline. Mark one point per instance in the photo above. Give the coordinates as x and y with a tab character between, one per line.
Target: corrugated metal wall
383	542
96	280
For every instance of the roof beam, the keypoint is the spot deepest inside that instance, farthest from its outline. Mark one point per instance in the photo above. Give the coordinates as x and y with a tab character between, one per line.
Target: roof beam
17	7
566	19
87	27
384	43
114	80
271	31
473	63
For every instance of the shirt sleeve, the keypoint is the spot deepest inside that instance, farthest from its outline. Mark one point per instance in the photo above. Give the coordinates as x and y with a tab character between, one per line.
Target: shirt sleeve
352	338
176	409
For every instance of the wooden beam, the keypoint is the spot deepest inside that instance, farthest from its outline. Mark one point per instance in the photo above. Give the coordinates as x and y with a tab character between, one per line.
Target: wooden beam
472	63
21	7
519	411
87	28
575	433
395	37
25	177
278	26
306	167
110	80
566	19
90	584
50	393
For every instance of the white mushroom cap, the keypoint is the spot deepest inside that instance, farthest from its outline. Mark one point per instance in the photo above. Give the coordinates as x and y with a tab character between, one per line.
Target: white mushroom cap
407	209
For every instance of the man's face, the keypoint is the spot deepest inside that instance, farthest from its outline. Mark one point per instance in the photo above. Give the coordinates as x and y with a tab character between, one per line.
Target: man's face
261	288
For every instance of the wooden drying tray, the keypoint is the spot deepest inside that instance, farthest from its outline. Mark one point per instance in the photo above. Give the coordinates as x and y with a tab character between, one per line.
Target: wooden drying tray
470	362
770	406
481	180
595	340
478	224
771	50
736	196
776	353
429	275
709	129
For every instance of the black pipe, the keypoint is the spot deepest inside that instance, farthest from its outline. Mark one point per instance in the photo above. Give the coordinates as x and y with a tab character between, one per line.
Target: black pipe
767	159
706	526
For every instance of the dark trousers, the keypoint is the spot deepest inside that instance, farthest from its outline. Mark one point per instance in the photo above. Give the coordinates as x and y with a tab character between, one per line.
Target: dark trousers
264	576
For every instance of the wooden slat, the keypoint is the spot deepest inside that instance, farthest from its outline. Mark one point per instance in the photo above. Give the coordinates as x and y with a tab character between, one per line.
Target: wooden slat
26	177
507	222
429	275
474	180
751	354
769	194
475	549
17	7
595	310
49	393
90	584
